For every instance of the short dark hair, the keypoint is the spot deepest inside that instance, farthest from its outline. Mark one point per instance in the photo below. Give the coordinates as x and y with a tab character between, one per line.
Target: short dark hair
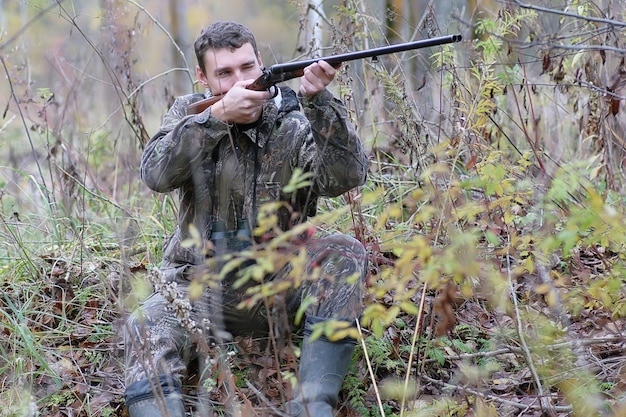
220	35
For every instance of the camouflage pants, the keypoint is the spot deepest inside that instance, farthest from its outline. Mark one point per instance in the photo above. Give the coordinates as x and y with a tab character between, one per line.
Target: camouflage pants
158	344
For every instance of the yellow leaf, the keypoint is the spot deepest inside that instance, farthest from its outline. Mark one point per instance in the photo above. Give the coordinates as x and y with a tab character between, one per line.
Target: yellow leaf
195	290
543	288
373	197
595	172
397	389
409	308
529	264
508	217
551	299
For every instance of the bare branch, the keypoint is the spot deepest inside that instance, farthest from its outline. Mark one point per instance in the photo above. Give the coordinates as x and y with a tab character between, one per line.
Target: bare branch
573	15
23	29
496	398
166	32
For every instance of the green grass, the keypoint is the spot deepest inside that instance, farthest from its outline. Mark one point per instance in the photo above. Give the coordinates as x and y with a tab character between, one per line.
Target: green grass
495	230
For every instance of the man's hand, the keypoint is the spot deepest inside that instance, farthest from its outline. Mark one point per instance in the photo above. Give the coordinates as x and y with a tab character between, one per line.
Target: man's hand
316	77
240	105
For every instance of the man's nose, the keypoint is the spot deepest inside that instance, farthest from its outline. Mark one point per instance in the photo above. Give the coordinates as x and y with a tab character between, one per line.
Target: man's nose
239	76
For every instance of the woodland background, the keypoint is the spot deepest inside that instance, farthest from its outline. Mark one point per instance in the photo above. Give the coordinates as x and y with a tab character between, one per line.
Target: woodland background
494	213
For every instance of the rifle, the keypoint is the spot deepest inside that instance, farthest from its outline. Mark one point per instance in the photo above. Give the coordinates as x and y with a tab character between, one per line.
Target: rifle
278	73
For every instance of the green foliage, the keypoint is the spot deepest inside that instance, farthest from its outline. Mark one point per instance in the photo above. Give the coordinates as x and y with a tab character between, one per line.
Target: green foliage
511	195
498	211
381	355
441	407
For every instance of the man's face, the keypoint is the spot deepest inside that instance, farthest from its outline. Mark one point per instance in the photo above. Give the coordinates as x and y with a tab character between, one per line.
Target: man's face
224	67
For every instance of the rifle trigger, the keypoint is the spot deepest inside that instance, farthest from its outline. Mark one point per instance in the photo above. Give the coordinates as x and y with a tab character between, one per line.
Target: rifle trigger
273	90
375	59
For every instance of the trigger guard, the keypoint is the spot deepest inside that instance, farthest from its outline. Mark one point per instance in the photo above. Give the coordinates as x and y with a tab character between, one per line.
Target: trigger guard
273	91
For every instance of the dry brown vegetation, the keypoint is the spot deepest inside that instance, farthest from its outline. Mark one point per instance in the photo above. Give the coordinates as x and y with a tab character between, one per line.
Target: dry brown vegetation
494	214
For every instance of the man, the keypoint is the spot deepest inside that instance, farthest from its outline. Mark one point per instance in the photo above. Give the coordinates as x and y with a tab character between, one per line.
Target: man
225	162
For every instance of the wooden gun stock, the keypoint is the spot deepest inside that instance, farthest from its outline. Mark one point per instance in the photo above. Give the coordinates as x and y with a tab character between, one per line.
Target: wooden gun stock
202	105
264	82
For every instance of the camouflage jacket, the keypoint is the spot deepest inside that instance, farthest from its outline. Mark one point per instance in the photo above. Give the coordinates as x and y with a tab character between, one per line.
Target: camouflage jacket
213	165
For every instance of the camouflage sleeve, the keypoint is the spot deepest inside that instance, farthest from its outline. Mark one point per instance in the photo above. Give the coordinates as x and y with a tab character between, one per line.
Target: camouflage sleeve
181	143
340	161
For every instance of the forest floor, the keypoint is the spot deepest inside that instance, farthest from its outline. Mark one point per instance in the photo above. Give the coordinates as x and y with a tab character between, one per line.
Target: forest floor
71	363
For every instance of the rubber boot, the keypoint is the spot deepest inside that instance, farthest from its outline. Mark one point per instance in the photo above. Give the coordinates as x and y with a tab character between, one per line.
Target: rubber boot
141	400
323	367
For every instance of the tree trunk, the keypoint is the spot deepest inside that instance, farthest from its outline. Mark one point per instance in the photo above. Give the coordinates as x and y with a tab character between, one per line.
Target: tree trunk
311	40
178	85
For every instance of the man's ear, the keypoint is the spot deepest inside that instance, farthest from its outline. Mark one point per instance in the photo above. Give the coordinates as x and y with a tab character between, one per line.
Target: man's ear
201	77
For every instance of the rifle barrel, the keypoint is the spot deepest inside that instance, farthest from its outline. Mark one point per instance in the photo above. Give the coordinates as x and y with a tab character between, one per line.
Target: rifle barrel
368	53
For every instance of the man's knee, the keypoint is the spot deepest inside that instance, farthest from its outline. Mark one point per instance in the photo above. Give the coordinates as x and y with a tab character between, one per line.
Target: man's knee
344	243
343	258
338	273
342	250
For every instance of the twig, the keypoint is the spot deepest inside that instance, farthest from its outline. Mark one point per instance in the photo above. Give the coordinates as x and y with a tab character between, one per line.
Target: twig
160	26
370	370
610	22
496	398
416	332
46	190
525	351
264	399
141	85
514	349
23	29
